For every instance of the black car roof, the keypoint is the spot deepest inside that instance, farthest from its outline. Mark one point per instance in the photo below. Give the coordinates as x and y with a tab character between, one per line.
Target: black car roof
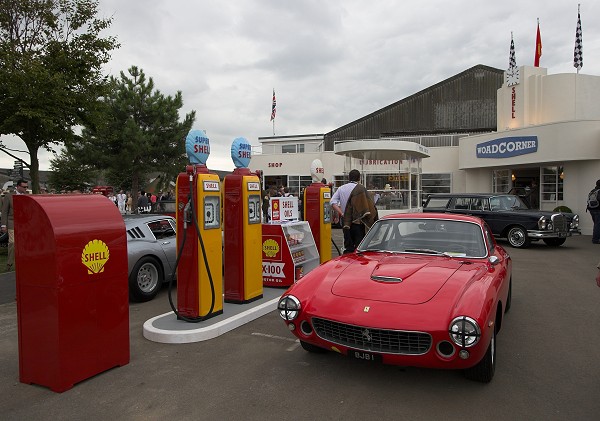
468	194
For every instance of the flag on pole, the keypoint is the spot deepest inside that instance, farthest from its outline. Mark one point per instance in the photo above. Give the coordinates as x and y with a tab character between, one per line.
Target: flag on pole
273	108
538	47
578	56
512	61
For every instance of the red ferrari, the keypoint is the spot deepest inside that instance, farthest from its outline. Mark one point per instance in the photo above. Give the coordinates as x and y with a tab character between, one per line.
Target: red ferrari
422	290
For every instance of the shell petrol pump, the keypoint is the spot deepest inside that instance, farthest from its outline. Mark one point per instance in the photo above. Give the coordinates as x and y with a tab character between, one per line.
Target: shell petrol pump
317	210
242	248
199	259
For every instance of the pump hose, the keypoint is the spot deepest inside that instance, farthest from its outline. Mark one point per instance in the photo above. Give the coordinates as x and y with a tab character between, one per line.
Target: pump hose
336	247
212	285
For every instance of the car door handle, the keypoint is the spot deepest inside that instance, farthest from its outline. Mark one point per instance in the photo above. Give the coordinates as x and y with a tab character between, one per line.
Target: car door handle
164	243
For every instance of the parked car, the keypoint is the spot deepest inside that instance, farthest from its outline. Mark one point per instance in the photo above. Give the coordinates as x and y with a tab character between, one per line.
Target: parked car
422	289
508	217
152	253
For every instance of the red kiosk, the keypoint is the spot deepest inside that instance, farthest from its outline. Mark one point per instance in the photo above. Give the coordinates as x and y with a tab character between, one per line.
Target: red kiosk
72	293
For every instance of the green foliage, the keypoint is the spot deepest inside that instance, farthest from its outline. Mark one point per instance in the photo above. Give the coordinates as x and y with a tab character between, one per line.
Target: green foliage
69	174
562	209
50	70
136	132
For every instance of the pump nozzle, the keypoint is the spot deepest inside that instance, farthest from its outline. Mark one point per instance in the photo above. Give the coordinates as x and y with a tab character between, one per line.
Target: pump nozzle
187	218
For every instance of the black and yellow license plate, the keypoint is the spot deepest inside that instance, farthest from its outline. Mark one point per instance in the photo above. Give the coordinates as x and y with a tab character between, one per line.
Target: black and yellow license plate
365	356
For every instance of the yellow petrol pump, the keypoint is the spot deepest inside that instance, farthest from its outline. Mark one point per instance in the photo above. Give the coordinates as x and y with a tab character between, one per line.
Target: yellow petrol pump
317	210
200	262
242	248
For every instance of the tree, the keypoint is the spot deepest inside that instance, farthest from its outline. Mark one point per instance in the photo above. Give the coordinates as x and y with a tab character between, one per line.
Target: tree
137	131
50	70
69	174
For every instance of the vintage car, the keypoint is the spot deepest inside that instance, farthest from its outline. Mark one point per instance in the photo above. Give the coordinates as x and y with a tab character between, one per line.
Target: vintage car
151	252
508	217
422	290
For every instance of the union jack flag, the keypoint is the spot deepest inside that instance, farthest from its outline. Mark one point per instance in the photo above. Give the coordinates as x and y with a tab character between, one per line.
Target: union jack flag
274	108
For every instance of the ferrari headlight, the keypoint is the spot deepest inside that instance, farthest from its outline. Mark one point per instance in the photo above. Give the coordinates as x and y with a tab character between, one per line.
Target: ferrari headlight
289	307
464	331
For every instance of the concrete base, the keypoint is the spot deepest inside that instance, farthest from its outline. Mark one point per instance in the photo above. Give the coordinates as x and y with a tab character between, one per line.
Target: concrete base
167	329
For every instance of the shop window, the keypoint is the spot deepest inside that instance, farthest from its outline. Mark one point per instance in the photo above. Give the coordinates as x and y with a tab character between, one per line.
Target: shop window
552	183
436	183
501	181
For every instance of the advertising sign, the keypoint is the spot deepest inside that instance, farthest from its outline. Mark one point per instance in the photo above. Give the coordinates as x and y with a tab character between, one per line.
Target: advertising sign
284	209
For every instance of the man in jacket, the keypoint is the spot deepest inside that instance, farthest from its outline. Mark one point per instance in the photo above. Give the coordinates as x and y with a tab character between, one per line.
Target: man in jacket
8	222
356	209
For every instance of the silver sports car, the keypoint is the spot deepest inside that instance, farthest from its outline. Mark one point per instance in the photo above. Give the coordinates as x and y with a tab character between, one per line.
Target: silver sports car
151	251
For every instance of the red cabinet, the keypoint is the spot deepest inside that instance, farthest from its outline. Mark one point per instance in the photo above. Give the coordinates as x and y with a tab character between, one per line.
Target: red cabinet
288	253
72	297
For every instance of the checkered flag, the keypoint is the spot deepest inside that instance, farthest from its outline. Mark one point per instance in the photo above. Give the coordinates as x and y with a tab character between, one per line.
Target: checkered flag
512	61
578	56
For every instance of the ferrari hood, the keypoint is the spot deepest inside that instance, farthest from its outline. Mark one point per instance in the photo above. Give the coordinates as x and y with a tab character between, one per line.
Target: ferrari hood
396	279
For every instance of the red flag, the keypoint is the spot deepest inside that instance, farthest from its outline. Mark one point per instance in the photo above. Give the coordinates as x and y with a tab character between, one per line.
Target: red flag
538	47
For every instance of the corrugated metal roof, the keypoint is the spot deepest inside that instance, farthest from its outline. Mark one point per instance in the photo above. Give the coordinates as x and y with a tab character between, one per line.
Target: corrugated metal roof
464	103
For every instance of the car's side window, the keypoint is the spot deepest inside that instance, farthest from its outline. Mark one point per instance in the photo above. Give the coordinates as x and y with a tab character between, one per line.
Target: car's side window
489	239
161	229
461	203
479	204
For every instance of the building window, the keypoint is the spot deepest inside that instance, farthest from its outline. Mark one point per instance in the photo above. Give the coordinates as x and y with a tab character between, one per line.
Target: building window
296	148
552	184
297	183
501	181
436	183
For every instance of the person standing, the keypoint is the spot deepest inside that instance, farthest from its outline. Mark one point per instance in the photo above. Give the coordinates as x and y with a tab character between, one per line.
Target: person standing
356	209
8	222
593	206
128	208
121	200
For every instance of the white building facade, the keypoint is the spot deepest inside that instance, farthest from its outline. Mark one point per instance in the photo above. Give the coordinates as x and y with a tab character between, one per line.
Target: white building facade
548	131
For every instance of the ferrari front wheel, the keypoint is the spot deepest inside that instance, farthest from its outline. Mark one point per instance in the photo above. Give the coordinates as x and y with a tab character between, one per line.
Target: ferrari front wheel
312	348
484	370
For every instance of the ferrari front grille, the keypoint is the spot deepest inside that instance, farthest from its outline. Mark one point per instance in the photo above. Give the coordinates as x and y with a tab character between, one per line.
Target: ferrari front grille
369	339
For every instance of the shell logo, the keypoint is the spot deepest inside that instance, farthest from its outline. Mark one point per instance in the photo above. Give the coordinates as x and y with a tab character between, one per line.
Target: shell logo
95	255
270	248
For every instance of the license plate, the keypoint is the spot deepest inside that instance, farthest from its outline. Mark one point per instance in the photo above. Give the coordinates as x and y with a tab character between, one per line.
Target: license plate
562	234
365	356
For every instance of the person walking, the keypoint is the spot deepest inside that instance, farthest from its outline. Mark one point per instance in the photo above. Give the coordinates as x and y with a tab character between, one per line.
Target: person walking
8	222
593	207
356	210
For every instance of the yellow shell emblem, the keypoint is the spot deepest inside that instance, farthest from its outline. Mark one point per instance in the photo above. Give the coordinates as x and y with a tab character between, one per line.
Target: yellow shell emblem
270	248
95	255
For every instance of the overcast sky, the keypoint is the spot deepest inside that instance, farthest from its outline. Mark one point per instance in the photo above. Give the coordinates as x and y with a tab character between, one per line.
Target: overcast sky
330	62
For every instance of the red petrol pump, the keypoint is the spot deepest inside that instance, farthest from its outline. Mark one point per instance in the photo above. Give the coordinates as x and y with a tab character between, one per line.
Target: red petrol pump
199	261
242	229
317	210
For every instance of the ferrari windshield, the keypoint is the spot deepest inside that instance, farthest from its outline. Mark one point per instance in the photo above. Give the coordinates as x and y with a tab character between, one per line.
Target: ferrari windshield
425	236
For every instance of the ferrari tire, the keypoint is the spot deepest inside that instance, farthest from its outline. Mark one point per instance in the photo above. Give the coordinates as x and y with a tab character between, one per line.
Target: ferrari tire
312	348
484	370
554	242
145	279
517	237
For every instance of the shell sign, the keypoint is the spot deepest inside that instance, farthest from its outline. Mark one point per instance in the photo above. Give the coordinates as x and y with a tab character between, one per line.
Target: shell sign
95	255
